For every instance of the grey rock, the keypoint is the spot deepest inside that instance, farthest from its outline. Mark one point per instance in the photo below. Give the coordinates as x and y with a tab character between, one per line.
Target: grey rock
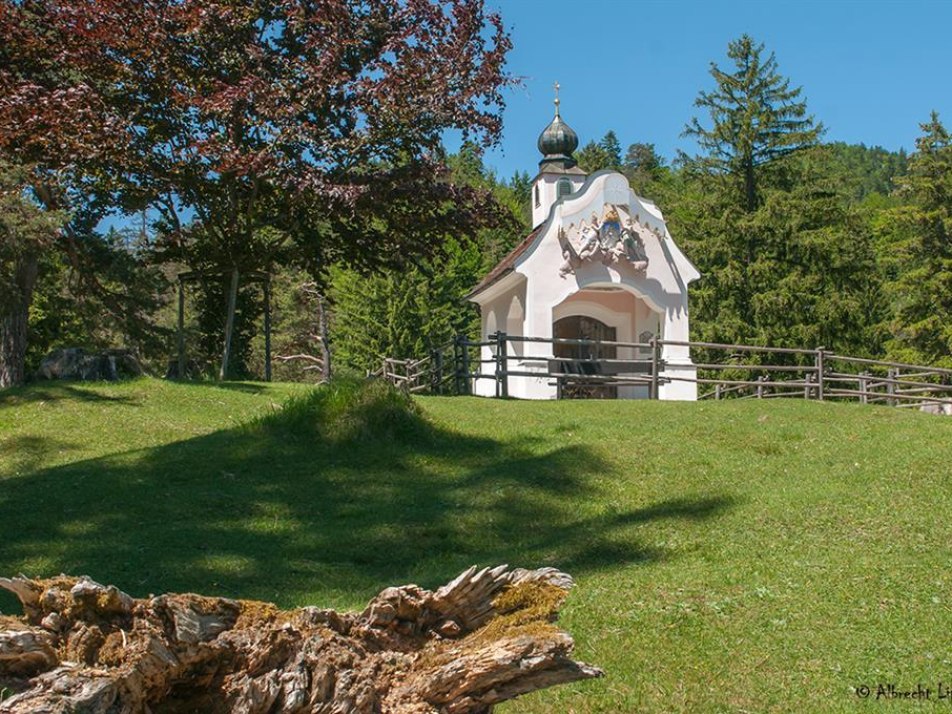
76	363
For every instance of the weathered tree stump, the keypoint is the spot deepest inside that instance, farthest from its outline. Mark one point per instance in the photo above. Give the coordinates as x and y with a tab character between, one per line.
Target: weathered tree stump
481	639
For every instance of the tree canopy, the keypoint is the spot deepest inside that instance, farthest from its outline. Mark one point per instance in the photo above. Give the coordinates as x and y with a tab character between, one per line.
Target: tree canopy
255	132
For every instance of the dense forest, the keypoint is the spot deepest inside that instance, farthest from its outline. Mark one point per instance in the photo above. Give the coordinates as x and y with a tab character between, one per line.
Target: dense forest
362	217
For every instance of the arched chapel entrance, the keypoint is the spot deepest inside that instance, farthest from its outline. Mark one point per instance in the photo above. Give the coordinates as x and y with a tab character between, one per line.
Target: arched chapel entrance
577	357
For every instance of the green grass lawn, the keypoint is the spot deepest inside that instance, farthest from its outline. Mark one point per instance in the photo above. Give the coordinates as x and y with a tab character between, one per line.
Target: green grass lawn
730	556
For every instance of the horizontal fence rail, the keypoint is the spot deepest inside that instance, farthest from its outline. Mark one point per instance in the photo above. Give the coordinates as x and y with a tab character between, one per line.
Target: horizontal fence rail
585	368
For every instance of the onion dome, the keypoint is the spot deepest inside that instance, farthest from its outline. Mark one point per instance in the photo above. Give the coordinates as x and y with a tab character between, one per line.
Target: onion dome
557	141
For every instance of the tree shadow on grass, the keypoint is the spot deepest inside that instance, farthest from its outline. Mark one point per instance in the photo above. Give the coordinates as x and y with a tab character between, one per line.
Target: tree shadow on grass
25	452
284	510
244	387
56	391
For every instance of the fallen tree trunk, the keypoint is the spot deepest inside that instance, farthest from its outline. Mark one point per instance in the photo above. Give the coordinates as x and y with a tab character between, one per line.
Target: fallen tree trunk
481	639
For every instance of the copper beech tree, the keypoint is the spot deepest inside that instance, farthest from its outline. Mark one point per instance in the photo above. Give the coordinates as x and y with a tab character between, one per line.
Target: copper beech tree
254	131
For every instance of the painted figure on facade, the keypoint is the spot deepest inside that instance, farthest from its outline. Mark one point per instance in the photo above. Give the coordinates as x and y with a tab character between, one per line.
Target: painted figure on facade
610	231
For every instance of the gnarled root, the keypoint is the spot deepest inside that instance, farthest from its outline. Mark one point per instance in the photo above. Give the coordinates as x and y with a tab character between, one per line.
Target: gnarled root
481	639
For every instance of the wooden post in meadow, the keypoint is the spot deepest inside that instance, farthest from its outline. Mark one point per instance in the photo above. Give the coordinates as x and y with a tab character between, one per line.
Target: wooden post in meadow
820	368
891	376
229	323
863	387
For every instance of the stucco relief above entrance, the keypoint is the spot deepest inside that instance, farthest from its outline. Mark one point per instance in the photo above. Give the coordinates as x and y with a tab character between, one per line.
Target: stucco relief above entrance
614	237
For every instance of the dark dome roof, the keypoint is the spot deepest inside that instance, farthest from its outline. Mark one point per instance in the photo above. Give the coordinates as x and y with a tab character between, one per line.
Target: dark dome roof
558	140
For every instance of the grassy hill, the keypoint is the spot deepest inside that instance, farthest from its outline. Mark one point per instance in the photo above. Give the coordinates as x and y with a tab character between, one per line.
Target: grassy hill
755	556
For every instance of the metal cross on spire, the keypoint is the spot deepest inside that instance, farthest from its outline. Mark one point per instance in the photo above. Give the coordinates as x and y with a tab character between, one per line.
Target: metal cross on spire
556	87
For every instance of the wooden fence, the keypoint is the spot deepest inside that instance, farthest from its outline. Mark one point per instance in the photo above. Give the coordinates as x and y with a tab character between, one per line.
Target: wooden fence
581	368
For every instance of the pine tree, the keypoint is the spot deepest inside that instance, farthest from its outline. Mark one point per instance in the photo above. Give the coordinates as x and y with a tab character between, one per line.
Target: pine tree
756	118
922	292
612	148
606	154
785	259
643	166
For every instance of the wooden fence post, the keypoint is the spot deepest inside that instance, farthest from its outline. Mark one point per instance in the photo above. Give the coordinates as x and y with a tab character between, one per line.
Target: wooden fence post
808	387
717	391
760	386
502	365
458	364
655	362
891	386
436	371
464	343
863	382
820	368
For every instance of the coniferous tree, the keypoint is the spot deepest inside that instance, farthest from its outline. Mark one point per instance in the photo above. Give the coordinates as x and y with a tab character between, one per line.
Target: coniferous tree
643	166
756	118
612	148
922	289
604	154
785	259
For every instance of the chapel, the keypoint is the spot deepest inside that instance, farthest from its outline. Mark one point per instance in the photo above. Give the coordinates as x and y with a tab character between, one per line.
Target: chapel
599	265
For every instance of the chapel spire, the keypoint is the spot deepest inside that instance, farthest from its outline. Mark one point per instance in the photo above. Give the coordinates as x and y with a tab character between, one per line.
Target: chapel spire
557	141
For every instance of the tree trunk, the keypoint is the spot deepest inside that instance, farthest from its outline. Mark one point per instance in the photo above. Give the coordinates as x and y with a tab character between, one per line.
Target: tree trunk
483	638
324	334
750	186
14	322
229	324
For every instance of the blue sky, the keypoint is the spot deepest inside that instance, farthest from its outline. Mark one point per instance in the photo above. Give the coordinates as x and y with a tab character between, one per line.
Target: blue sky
870	71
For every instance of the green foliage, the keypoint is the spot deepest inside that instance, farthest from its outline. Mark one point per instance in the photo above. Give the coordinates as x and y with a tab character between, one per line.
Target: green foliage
404	314
212	303
644	168
922	244
407	311
294	328
865	170
606	154
26	230
26	233
799	271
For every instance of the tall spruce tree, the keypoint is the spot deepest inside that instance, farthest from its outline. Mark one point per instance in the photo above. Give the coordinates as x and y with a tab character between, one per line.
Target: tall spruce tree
756	118
785	260
922	290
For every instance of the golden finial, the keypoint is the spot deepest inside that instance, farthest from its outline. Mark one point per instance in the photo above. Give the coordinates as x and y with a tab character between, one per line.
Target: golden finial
556	87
